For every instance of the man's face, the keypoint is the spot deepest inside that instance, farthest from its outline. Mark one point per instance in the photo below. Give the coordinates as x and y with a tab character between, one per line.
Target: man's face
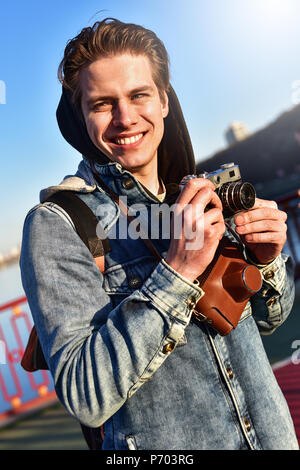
123	110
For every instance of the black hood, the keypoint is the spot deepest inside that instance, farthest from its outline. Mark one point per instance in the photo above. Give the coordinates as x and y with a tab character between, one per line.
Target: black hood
175	152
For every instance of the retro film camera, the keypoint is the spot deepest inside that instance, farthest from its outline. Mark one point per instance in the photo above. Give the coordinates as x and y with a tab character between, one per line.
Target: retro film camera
229	281
234	194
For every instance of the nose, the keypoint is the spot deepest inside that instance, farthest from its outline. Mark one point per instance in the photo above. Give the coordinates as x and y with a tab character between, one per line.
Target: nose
124	115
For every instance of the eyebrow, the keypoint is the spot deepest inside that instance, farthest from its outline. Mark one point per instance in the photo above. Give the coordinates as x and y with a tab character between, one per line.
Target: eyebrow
139	89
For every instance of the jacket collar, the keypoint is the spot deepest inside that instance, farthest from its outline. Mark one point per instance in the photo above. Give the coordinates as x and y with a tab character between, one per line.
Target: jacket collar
119	180
124	184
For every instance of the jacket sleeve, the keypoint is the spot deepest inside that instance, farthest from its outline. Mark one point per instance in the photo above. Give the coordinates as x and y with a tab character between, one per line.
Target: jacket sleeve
98	355
273	303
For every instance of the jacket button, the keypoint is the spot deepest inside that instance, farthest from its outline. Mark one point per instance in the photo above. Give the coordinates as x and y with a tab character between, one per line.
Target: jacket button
229	372
191	303
247	424
168	347
269	275
127	183
135	282
271	301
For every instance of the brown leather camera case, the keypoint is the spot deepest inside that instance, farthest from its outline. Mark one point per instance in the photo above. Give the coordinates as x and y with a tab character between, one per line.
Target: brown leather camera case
228	283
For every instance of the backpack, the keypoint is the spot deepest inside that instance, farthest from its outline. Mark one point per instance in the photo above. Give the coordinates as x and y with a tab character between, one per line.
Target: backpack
85	223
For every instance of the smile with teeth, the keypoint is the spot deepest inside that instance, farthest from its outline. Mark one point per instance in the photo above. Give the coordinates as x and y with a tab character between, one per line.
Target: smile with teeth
128	140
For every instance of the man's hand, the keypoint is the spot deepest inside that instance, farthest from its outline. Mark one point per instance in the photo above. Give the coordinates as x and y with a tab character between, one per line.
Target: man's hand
263	230
190	256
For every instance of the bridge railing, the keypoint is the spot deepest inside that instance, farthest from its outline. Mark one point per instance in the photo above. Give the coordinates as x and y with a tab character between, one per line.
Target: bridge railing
20	391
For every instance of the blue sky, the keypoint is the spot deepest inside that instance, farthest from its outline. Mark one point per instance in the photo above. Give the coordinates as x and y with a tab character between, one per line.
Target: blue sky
230	60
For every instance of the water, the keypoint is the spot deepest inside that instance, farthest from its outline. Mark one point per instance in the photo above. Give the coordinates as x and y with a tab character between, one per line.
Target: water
10	283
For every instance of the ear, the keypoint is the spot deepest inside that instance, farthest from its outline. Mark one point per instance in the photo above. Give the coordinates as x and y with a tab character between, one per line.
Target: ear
165	105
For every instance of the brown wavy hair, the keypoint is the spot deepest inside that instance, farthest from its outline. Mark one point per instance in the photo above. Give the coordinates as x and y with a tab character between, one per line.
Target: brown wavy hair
107	38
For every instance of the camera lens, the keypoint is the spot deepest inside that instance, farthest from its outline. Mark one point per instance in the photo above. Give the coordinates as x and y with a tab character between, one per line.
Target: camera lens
236	196
247	195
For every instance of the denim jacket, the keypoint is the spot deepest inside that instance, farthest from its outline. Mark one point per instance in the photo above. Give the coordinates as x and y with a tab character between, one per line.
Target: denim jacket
122	347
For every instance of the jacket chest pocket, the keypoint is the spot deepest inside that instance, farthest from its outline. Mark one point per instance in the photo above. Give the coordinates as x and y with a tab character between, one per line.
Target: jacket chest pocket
121	280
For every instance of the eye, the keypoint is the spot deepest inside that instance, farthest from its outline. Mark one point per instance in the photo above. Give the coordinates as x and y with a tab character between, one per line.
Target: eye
139	96
102	106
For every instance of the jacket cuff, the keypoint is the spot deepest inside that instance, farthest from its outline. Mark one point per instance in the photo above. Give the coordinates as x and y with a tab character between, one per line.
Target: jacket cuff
273	274
171	292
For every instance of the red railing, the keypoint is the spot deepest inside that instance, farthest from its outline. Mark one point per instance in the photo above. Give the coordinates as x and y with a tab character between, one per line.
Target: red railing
288	378
20	391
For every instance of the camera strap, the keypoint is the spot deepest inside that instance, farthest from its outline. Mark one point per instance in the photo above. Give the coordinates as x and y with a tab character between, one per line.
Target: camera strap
125	211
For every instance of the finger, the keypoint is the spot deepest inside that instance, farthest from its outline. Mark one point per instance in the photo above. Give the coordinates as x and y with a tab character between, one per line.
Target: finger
205	225
196	207
266	237
220	228
192	187
262	213
194	216
212	235
214	231
207	196
264	203
261	226
214	216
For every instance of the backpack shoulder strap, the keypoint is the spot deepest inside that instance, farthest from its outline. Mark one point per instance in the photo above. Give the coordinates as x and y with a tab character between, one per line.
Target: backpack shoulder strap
86	224
88	228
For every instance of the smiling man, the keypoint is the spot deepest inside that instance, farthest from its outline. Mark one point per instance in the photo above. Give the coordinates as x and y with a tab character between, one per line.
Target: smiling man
124	113
123	347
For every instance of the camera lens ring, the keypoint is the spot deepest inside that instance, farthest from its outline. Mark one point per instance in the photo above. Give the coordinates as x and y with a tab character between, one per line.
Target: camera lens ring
247	195
236	196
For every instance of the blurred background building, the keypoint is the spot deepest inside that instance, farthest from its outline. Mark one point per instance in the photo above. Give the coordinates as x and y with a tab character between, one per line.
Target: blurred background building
237	131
